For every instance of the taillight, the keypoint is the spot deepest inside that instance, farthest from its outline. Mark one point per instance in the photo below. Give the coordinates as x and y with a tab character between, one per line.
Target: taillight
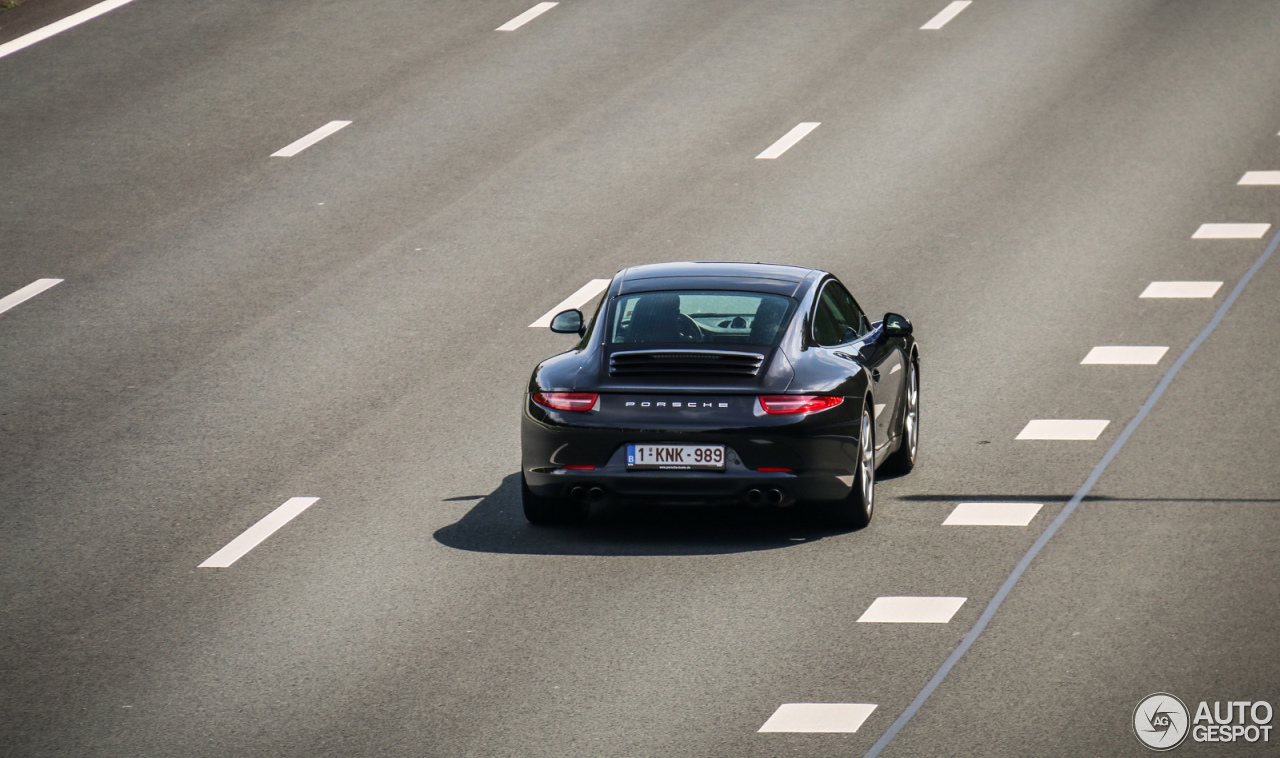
798	403
566	401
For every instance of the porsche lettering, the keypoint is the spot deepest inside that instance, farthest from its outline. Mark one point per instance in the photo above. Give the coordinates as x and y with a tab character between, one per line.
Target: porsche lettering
683	405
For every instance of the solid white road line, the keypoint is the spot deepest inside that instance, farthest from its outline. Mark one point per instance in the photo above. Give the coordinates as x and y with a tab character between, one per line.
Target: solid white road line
948	13
1134	355
790	138
255	534
1181	289
293	148
45	32
526	17
1230	231
576	300
26	293
911	610
993	514
818	717
1062	429
1260	177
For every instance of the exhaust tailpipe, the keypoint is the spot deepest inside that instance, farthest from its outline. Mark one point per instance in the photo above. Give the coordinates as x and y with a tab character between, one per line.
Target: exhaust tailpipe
596	494
774	496
578	493
755	496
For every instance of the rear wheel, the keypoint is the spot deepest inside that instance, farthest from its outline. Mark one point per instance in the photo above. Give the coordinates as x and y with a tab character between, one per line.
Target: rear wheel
550	510
854	512
904	458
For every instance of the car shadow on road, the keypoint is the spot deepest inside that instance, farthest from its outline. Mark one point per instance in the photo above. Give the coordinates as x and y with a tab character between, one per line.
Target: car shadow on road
496	524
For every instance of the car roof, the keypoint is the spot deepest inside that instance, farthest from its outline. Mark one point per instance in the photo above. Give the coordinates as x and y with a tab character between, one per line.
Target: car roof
715	275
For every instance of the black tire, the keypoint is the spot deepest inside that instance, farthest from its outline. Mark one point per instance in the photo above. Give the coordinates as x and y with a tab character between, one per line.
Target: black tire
904	458
855	511
550	510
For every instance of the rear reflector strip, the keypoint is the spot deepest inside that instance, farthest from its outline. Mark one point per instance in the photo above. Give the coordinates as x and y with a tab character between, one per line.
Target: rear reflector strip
581	468
774	470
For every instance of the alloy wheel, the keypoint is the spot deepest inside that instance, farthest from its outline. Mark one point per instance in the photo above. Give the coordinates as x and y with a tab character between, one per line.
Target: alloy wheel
868	463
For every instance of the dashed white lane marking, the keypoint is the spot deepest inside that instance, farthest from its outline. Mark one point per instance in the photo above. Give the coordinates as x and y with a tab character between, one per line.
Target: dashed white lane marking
818	717
993	514
1230	231
526	17
1181	289
21	296
1145	355
293	148
1062	429
948	13
576	300
912	610
45	32
1260	177
788	140
255	534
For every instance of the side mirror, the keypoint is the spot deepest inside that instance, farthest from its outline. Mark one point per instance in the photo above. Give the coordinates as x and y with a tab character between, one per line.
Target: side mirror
896	325
567	322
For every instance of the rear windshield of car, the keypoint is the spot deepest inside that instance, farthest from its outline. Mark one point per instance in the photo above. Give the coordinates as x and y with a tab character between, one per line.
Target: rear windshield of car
717	318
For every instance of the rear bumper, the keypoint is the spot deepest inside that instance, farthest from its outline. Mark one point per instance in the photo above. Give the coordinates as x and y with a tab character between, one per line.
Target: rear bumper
691	488
821	466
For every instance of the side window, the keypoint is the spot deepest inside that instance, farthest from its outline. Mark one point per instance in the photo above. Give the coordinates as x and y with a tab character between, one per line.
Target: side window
853	315
829	323
838	319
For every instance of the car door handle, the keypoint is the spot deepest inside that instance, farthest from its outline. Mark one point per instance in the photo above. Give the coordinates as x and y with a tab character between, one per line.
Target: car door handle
875	375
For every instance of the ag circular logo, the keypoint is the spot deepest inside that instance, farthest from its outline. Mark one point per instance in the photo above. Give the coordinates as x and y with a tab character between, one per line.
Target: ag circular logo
1160	721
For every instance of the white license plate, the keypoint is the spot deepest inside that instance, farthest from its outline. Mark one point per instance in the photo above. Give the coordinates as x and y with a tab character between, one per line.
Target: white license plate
676	456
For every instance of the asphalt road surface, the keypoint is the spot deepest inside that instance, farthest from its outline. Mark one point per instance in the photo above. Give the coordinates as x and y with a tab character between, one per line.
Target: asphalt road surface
234	329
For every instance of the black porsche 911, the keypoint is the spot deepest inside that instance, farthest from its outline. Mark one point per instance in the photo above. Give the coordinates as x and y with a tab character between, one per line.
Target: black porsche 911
710	383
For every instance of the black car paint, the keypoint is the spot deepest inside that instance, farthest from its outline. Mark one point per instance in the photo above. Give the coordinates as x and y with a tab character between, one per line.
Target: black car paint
819	448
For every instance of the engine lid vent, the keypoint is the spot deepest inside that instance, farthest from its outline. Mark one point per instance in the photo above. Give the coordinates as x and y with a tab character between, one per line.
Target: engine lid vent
685	362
